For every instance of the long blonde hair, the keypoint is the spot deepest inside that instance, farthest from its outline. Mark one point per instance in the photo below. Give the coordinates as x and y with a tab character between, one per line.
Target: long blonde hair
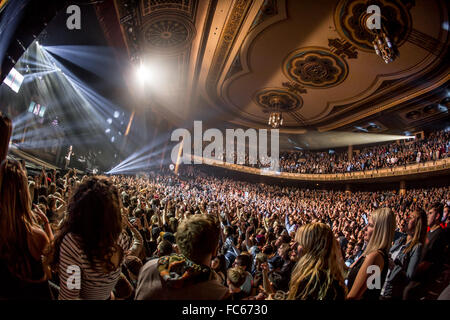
383	231
16	219
319	258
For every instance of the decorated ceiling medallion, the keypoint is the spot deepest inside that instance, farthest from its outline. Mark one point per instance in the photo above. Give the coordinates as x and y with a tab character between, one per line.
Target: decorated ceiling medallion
277	99
351	15
315	67
168	33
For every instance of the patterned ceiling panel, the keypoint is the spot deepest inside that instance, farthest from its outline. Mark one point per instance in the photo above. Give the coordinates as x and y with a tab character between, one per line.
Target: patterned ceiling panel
168	33
269	99
150	6
315	67
351	16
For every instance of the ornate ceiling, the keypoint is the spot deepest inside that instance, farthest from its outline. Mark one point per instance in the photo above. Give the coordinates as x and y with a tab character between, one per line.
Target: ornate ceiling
233	59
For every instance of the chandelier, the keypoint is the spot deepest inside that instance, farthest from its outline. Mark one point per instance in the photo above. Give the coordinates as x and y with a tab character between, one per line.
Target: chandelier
383	46
276	116
275	119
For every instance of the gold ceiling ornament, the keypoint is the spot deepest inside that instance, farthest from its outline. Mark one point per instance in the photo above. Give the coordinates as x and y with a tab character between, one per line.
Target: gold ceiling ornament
294	87
315	67
343	48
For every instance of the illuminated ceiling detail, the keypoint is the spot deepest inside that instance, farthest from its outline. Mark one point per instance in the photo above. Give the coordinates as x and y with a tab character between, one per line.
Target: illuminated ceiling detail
285	100
315	67
227	52
168	33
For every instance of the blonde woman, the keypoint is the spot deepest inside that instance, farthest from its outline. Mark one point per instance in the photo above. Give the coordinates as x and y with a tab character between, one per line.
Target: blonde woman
379	236
318	274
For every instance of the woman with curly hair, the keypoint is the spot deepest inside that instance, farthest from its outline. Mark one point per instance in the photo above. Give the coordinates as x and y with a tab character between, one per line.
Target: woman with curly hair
88	251
318	274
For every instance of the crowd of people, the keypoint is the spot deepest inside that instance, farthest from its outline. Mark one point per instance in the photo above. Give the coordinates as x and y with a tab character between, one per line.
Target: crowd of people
434	147
194	236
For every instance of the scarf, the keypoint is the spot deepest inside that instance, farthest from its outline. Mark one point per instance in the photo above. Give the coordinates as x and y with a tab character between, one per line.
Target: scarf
178	271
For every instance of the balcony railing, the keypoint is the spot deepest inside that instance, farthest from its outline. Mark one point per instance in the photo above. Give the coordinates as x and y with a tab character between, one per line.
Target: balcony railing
410	169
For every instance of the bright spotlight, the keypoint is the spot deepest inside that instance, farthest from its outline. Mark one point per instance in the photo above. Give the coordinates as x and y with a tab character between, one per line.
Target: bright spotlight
113	139
116	114
146	72
108	130
109	120
143	73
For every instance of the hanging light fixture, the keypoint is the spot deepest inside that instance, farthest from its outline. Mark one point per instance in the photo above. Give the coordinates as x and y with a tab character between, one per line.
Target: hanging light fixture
383	46
275	119
276	116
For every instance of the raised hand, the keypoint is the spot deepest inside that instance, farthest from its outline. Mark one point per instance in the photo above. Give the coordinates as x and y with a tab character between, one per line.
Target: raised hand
40	215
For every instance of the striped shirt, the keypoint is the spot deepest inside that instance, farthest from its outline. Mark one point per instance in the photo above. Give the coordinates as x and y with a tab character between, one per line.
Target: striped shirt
78	279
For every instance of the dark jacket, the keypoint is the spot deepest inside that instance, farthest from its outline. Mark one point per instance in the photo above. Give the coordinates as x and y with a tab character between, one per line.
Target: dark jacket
404	266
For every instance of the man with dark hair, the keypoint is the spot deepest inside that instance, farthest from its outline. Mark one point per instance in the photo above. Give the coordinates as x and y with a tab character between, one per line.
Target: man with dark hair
244	261
186	275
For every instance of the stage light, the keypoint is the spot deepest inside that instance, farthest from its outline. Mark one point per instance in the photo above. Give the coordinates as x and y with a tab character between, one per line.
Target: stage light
116	114
109	120
113	139
442	108
445	25
146	73
108	130
143	73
